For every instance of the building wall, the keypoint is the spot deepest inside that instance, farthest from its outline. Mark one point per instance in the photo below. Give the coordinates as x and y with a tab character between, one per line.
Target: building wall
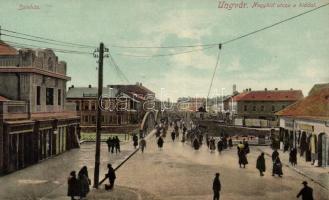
266	113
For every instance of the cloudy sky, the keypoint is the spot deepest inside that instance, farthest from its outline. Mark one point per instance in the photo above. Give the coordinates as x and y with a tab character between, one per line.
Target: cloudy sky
291	55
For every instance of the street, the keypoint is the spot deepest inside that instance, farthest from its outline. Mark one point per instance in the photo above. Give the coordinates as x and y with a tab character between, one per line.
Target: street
48	179
180	172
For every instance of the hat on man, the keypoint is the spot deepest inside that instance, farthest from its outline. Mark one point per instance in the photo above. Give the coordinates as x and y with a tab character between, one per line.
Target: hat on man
304	182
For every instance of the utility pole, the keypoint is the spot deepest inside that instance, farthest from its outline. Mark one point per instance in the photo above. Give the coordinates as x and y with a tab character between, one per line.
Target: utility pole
101	51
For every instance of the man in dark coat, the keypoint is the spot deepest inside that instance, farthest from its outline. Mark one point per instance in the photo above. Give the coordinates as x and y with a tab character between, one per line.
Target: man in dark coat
135	140
277	167
111	176
230	142
216	187
260	165
173	136
73	186
196	144
293	156
109	143
220	146
160	142
306	192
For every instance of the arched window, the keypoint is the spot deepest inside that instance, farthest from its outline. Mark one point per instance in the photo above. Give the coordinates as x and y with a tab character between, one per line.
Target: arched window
50	64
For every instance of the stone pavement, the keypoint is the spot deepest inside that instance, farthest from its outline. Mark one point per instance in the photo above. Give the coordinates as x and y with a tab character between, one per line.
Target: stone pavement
48	179
318	175
179	172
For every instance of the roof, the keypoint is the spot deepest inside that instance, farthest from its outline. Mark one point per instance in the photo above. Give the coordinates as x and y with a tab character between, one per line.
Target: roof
270	95
136	91
3	98
6	49
314	106
316	87
90	92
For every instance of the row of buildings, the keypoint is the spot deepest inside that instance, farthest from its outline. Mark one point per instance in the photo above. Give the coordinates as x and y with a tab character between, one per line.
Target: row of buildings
40	118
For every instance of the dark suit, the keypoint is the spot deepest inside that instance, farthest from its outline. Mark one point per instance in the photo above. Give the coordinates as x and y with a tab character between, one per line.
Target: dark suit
306	193
216	186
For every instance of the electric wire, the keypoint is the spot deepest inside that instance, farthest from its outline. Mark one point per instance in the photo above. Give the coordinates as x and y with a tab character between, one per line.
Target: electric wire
120	73
213	75
43	38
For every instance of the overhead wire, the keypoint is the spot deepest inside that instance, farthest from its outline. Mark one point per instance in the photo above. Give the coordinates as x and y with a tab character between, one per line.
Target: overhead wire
215	69
49	39
119	71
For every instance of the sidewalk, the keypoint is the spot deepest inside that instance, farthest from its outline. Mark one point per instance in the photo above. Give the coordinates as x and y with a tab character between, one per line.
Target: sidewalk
318	175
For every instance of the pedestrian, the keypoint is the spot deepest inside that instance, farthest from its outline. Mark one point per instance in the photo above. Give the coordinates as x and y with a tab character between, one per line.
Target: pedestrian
277	167
306	192
135	140
216	187
117	144
230	143
242	155
246	146
212	144
109	143
84	182
196	144
160	142
142	144
173	136
293	156
220	146
224	142
275	154
260	165
73	186
111	176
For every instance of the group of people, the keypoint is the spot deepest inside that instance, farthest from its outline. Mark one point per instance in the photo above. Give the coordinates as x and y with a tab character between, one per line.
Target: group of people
113	144
78	186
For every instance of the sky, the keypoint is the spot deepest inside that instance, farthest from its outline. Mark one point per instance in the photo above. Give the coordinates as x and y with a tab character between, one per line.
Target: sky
291	55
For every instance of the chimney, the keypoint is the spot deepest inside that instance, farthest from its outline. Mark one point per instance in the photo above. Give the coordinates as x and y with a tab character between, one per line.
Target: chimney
291	89
276	89
249	89
234	88
89	86
265	89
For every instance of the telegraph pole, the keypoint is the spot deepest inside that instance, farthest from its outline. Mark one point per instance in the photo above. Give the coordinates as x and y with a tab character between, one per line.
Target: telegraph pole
101	51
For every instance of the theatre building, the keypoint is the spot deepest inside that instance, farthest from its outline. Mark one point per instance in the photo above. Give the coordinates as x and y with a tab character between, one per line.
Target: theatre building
305	125
35	121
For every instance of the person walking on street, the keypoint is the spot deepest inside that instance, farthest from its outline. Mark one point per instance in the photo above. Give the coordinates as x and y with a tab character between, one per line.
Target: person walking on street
212	145
160	142
220	146
173	136
277	167
260	165
216	187
117	144
135	140
142	144
306	192
109	143
111	176
293	156
73	186
84	182
230	143
242	155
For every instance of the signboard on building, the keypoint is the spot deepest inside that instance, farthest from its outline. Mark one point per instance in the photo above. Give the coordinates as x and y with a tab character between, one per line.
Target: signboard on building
306	127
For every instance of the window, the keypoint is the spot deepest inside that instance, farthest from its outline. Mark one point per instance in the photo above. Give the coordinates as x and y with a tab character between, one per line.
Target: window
254	108
273	108
283	106
93	106
85	119
50	64
245	107
38	94
59	97
86	105
93	119
49	96
262	108
77	107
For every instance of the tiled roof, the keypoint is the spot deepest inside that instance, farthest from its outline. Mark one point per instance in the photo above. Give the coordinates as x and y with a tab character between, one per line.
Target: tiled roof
315	106
6	49
133	89
3	98
270	95
316	87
